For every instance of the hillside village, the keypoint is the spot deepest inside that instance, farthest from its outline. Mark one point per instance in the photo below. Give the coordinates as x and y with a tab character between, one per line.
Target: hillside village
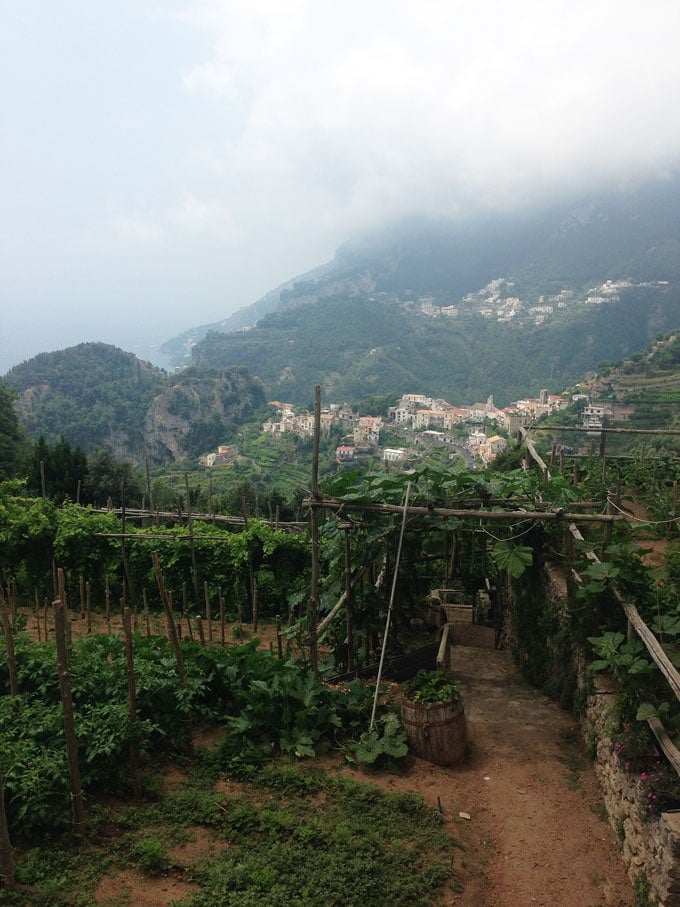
497	301
477	432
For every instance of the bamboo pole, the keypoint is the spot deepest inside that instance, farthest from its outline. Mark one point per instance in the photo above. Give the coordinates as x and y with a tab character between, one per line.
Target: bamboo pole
69	720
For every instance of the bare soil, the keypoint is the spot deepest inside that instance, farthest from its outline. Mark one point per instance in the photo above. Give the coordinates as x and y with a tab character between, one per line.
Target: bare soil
536	832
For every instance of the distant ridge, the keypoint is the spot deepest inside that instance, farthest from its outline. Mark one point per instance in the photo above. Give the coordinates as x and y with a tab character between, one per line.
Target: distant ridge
98	396
499	305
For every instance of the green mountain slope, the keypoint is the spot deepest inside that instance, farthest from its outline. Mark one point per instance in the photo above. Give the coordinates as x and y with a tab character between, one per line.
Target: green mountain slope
461	311
96	395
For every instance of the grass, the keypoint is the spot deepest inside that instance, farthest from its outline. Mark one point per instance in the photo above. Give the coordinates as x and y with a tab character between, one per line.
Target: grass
285	834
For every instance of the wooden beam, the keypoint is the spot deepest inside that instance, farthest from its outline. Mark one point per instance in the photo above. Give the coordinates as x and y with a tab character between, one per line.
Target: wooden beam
512	515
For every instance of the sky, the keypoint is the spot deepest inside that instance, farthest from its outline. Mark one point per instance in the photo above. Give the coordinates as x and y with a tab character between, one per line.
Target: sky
166	162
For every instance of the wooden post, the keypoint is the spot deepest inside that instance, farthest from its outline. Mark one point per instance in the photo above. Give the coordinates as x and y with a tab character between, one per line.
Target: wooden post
46	608
6	856
132	702
313	606
37	614
9	642
279	648
69	720
201	632
61	586
190	524
612	497
172	636
146	614
208	616
221	600
185	611
88	609
349	602
148	483
123	550
255	598
107	598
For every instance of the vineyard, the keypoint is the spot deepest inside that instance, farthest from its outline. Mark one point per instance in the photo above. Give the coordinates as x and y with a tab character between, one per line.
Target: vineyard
90	712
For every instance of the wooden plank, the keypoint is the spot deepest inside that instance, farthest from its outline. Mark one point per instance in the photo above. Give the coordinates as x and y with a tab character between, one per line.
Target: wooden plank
443	652
534	453
654	648
670	750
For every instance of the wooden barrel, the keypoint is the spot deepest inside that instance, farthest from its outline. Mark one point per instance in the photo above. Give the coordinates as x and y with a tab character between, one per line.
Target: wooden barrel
436	731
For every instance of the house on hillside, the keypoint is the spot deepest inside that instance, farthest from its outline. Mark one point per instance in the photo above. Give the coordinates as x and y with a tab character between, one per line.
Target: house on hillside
367	430
393	454
345	452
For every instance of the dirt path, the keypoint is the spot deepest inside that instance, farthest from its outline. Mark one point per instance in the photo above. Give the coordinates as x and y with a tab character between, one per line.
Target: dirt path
536	833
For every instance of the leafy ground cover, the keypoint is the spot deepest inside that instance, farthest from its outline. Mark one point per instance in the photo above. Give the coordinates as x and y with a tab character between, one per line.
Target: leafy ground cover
282	834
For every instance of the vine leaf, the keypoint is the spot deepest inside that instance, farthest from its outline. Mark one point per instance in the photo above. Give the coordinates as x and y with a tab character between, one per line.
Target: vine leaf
513	558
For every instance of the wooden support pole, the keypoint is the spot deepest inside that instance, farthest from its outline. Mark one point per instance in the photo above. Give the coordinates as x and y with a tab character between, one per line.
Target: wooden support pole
147	617
222	627
192	544
313	605
201	632
349	601
173	637
69	719
208	615
9	643
185	610
37	614
123	550
132	703
107	599
6	856
88	608
279	646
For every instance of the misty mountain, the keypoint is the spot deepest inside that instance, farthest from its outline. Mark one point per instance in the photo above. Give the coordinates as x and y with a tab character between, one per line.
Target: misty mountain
98	396
502	305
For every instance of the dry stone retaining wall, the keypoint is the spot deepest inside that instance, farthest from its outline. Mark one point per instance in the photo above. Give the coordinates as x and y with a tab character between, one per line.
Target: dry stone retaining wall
650	845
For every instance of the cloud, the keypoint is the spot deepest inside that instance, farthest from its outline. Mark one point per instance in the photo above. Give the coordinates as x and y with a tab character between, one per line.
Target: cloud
385	107
176	160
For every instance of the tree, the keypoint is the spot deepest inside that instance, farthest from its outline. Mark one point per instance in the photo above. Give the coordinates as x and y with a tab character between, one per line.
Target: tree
105	477
13	443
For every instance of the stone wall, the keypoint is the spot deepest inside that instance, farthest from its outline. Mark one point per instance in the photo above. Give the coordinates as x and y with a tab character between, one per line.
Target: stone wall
650	845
